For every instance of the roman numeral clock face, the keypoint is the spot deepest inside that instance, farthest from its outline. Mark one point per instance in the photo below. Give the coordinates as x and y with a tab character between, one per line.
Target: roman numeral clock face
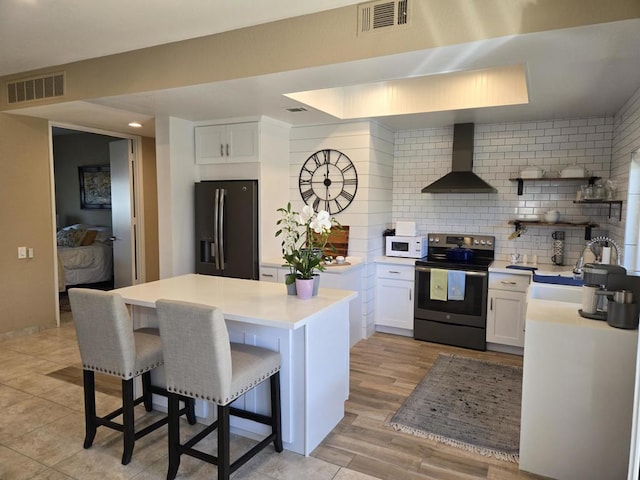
328	181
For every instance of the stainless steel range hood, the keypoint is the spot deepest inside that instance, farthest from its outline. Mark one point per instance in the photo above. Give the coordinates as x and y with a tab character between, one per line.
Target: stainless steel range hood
461	179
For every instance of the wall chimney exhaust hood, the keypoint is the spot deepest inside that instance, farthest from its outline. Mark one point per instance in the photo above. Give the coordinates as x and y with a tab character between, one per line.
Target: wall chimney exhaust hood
461	179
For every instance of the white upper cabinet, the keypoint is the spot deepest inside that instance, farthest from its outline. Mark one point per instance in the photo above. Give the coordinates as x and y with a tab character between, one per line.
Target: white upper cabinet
232	143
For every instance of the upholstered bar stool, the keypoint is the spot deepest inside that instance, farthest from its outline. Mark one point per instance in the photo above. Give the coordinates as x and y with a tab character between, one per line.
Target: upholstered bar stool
108	344
200	362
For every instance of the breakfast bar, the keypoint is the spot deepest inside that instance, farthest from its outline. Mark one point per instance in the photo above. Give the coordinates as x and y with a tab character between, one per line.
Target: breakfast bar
312	337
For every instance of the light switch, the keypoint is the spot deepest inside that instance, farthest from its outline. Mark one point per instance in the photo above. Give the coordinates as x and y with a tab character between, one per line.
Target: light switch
30	252
22	252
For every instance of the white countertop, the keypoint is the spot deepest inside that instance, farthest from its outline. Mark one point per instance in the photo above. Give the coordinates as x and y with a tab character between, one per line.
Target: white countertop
396	260
564	313
542	269
354	262
249	301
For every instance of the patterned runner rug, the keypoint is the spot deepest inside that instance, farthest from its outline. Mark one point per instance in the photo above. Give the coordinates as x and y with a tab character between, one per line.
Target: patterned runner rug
467	403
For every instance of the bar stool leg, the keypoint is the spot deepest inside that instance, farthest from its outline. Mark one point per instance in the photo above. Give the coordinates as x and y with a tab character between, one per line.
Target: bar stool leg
90	424
173	407
190	403
275	411
146	391
224	460
128	422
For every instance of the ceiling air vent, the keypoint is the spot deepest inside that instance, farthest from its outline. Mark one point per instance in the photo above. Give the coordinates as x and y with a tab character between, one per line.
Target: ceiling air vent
35	88
382	15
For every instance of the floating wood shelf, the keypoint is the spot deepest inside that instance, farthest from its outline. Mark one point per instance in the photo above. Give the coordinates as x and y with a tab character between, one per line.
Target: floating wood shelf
521	181
587	225
604	202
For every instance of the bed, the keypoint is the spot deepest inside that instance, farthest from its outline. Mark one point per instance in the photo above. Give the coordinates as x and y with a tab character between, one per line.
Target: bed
85	255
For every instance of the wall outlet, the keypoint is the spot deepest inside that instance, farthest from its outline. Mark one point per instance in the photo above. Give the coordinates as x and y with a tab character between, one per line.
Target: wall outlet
22	252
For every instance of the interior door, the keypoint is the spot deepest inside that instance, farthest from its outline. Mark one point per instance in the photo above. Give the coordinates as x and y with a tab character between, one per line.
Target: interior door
123	222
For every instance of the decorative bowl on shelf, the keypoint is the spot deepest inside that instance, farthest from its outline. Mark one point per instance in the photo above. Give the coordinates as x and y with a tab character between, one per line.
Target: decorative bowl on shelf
531	172
574	171
552	216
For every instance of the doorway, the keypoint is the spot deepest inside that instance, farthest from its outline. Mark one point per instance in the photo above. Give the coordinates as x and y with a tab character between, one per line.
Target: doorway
104	223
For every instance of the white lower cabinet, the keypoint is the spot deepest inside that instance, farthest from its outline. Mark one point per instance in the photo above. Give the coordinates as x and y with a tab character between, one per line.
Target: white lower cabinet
394	296
506	309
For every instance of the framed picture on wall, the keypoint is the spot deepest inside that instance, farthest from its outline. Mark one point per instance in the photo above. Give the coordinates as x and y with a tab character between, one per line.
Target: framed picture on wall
95	187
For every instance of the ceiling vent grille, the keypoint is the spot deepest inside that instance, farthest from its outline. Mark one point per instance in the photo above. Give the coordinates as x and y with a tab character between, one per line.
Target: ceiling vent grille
382	15
35	88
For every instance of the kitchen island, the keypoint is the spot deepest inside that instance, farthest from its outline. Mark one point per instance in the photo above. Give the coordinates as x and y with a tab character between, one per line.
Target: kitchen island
312	337
577	393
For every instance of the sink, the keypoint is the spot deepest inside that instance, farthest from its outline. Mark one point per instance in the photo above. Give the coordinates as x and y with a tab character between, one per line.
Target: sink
555	292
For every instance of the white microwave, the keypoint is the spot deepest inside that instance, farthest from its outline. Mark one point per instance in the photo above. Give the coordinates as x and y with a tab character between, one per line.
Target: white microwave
408	247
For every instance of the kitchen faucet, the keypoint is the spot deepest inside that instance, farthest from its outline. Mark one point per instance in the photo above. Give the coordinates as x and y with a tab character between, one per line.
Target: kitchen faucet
577	270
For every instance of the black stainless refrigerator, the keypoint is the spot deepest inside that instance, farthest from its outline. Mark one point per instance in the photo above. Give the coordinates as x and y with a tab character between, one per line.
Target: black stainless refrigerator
227	228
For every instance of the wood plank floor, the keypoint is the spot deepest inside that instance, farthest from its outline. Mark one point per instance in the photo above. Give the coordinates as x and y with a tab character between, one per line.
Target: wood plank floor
107	384
384	371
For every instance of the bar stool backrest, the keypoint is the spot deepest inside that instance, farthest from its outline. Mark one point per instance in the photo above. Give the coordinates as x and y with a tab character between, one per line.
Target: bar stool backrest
196	350
104	330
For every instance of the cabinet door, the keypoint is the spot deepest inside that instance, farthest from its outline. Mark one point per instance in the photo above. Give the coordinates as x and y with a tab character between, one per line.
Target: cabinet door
233	143
242	142
210	143
505	317
394	303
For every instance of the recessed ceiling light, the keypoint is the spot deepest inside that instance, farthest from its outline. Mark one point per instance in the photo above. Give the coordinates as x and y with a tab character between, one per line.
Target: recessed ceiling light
135	124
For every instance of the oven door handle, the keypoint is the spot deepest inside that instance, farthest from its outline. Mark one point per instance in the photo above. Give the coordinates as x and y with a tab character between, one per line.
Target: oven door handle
420	268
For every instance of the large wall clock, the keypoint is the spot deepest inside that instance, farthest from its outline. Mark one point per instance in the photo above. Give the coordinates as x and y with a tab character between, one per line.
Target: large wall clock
328	181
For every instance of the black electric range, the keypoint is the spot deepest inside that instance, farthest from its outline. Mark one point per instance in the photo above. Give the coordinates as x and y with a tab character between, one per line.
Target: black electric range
439	315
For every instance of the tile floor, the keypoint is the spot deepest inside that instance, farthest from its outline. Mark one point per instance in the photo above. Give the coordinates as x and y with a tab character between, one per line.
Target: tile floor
42	427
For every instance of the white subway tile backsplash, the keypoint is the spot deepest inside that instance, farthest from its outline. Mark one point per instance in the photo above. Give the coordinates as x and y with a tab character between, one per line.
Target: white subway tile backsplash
501	151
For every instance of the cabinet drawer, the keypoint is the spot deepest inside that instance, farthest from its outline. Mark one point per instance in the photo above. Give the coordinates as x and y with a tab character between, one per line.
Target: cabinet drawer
506	281
397	272
269	274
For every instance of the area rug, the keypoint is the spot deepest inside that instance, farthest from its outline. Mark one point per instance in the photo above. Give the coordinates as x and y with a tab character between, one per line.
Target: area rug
467	403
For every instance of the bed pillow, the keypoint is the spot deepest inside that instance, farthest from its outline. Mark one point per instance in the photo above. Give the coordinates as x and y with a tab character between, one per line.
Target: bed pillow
70	238
89	238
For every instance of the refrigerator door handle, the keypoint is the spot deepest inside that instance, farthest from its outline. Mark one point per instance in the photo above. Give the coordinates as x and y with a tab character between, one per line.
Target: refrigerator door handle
221	228
216	236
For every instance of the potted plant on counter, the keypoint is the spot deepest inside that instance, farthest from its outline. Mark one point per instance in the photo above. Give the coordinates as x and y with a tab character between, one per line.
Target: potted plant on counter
304	237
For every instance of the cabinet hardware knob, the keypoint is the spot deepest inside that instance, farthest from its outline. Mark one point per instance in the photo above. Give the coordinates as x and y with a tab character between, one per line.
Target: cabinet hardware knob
504	282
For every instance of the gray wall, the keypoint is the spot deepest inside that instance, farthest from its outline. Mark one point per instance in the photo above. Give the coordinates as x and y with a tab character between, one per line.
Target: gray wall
69	152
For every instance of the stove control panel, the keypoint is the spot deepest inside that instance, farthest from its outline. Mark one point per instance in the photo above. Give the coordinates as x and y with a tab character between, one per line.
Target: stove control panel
449	240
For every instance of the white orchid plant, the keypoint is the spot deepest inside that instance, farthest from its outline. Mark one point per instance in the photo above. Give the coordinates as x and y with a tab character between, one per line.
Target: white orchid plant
304	238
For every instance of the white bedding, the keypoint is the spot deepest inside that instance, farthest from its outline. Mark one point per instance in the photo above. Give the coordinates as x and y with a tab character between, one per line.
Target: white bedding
86	264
